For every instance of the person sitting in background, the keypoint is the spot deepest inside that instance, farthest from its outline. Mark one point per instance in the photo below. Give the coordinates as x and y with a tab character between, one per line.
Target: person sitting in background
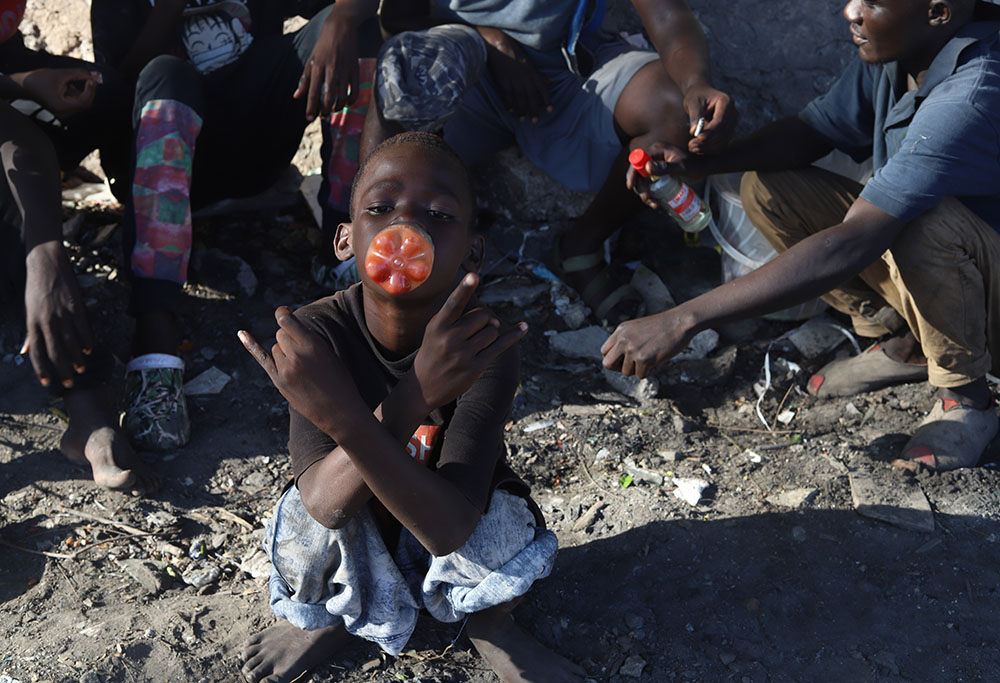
53	111
575	99
911	256
221	100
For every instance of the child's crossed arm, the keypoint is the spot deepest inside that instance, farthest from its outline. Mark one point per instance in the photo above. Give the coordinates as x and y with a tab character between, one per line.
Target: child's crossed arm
457	346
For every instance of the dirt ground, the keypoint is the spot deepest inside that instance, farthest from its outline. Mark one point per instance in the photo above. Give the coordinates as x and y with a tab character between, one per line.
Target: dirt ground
773	575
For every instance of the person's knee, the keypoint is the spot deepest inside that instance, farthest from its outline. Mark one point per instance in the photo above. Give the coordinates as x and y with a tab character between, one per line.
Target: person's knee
914	245
651	108
169	78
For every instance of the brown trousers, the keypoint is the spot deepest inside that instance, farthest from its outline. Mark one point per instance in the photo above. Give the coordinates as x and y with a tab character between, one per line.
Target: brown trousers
938	277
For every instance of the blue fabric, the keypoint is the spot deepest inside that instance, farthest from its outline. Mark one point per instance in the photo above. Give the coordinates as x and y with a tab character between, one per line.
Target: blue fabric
323	577
942	140
538	25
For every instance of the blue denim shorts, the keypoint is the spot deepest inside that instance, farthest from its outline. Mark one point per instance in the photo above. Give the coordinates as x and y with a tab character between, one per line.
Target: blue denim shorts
322	577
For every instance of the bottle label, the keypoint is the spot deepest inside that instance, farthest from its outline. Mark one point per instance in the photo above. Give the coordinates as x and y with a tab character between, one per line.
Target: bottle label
686	204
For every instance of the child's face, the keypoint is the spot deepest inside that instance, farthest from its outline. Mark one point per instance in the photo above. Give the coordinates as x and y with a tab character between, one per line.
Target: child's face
412	185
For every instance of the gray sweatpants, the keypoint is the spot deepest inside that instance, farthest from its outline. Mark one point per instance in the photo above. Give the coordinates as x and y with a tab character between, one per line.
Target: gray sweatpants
320	576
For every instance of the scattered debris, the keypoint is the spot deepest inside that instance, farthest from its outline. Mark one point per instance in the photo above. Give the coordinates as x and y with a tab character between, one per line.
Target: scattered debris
588	517
786	416
512	291
891	501
537	426
583	343
654	293
816	336
793	498
689	489
632	386
210	382
633	667
700	346
670	455
151	575
199	578
219	270
642	475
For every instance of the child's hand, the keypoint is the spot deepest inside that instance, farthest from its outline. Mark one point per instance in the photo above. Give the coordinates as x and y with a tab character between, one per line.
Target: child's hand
306	372
458	345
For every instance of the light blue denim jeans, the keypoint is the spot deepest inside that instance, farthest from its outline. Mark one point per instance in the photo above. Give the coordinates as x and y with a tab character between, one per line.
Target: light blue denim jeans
321	576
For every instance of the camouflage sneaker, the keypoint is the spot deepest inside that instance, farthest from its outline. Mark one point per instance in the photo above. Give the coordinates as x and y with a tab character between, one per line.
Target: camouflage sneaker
156	416
336	276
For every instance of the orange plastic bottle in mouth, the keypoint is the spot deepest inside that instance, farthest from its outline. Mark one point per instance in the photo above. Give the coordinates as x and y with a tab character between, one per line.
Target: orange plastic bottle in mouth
400	258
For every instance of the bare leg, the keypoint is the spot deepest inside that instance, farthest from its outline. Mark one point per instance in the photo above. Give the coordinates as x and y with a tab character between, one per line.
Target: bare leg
649	110
155	332
904	349
93	438
375	131
513	653
282	653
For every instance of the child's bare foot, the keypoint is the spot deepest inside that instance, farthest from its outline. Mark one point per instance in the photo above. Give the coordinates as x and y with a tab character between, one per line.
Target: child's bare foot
282	653
515	655
93	439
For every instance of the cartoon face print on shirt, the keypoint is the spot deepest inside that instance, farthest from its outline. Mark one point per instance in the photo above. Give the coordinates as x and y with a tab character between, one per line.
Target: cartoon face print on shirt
215	33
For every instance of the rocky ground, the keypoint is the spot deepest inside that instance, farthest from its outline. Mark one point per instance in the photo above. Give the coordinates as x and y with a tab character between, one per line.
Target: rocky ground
716	525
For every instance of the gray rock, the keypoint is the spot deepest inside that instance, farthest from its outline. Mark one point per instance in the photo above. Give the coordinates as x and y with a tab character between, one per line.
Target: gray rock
208	383
151	575
161	519
816	336
670	455
891	501
794	498
633	667
583	343
200	578
512	291
634	621
632	386
700	346
256	564
224	272
257	480
642	475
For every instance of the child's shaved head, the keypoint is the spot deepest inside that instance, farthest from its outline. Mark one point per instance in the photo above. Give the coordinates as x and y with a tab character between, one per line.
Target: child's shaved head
427	141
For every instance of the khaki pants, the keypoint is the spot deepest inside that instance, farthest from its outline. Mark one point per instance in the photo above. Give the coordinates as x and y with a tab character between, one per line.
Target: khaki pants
937	278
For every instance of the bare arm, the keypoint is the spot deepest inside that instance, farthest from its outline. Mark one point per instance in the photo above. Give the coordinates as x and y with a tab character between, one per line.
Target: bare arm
683	49
678	39
155	37
332	488
783	144
812	267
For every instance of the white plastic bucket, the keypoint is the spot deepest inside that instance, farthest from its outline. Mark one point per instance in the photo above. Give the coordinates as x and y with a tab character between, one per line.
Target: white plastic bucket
743	248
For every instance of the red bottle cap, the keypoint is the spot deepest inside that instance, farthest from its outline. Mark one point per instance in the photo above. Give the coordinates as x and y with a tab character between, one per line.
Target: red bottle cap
638	158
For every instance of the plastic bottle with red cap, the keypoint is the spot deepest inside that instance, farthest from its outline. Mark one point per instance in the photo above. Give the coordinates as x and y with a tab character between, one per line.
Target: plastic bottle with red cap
686	207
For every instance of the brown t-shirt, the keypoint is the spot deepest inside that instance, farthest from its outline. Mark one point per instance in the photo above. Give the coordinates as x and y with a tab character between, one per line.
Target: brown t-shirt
462	441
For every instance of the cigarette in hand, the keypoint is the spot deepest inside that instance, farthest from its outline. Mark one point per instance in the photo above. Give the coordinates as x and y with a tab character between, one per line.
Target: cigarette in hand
699	127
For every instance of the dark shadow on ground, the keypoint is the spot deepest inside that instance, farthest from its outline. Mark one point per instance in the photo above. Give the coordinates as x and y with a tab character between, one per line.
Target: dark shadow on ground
854	600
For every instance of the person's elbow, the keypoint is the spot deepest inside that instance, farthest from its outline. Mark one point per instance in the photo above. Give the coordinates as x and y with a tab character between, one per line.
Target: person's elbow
453	537
325	512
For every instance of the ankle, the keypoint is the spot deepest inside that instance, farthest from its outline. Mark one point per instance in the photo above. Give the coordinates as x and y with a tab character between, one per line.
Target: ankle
904	349
974	395
155	332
